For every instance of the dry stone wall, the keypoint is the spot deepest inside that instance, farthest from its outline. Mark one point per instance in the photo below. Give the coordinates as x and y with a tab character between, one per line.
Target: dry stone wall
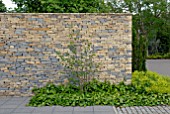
28	45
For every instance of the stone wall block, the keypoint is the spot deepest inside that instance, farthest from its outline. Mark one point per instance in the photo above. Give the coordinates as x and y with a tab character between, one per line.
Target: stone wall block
29	42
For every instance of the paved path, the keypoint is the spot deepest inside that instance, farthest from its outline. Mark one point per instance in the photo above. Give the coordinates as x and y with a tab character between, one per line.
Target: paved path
144	110
159	66
16	105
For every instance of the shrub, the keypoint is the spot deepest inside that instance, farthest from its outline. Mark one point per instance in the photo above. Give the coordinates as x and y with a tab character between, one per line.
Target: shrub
159	56
138	52
151	82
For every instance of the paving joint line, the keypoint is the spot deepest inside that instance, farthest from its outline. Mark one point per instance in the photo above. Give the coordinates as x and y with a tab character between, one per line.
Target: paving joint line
114	109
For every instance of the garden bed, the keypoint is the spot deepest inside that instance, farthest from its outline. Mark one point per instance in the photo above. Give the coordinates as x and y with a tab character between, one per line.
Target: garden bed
147	89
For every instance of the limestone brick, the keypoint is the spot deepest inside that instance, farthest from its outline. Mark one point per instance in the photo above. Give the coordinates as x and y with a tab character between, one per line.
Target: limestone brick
28	48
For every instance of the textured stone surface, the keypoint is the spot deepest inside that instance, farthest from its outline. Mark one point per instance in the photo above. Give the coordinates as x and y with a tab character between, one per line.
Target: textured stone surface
28	45
143	110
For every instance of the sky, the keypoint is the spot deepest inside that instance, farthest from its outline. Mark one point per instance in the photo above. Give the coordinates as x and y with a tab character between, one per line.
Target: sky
9	3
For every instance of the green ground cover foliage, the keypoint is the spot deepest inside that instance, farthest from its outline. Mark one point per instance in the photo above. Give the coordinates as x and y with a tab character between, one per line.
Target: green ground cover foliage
147	89
151	82
159	56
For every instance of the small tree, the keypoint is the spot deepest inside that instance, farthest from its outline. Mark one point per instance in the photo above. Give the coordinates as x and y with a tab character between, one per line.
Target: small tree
79	62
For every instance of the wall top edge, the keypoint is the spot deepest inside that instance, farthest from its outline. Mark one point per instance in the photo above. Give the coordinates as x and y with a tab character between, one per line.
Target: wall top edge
67	13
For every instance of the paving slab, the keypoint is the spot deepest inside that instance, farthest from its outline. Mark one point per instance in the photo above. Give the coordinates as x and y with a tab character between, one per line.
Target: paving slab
4	111
104	112
103	108
65	112
60	108
144	110
24	110
18	98
11	106
13	102
4	106
166	109
20	113
83	112
2	102
88	108
43	109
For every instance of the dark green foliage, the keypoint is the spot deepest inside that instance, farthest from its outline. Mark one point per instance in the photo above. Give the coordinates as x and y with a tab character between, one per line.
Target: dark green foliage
2	7
138	53
142	54
62	6
28	6
159	56
135	51
147	89
151	22
161	43
98	93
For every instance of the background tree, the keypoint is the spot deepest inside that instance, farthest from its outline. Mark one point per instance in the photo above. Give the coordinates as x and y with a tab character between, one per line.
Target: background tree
151	26
2	7
28	6
61	6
